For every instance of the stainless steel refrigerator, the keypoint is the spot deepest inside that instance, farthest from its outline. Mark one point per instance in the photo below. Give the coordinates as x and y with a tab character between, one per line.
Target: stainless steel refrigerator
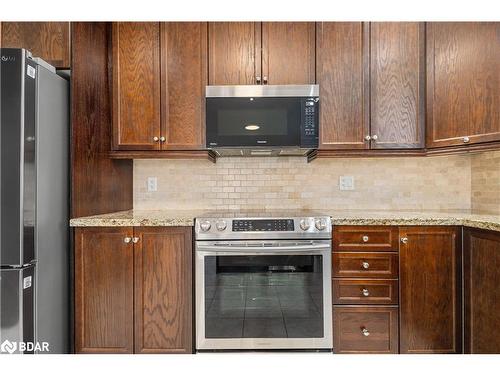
34	253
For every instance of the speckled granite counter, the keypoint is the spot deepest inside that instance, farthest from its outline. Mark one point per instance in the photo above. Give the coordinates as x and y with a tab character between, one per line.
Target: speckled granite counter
341	217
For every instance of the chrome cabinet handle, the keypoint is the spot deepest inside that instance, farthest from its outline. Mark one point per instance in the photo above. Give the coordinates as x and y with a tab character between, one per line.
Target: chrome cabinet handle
127	239
156	139
257	79
375	137
365	332
135	239
365	238
365	265
264	80
365	292
466	139
404	240
162	139
368	138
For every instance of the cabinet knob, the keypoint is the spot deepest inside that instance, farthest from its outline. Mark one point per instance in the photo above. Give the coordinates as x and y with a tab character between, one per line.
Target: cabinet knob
156	139
466	139
257	79
365	238
404	240
264	80
365	265
375	137
135	239
162	139
365	332
367	138
365	292
127	239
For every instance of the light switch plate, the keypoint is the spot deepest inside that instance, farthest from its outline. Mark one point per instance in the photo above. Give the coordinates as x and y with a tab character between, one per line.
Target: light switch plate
346	183
152	184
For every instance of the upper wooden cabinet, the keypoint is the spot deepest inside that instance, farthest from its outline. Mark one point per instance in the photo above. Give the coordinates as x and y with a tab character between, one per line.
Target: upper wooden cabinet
288	53
430	290
48	40
234	53
342	75
371	84
481	292
397	53
463	83
159	78
249	53
133	290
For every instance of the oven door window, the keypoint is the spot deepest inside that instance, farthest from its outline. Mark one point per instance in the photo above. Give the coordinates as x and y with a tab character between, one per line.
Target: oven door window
264	296
236	122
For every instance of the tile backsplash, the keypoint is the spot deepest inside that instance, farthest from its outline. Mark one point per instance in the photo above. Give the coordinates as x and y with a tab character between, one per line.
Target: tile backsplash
429	183
486	182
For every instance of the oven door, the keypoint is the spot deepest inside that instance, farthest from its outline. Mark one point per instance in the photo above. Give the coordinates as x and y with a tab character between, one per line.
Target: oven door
263	295
253	122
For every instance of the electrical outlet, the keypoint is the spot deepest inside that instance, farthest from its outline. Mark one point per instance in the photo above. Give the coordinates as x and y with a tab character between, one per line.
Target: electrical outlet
346	183
152	183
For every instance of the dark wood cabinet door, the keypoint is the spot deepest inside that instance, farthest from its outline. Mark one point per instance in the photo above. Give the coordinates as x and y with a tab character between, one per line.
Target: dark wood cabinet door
342	75
430	290
104	290
397	61
163	290
183	81
136	85
463	82
234	50
481	291
48	40
288	53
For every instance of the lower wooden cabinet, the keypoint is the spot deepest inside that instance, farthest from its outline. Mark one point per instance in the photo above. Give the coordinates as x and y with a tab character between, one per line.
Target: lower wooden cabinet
430	289
365	329
481	291
133	290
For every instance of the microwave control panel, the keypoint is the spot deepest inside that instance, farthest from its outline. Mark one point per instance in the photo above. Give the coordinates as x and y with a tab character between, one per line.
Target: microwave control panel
310	123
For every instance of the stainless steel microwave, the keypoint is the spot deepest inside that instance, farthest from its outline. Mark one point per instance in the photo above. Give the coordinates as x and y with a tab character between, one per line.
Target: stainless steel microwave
262	120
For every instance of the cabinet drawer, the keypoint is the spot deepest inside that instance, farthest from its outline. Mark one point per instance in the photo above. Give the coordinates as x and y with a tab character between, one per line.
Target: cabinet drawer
365	238
363	329
369	291
365	265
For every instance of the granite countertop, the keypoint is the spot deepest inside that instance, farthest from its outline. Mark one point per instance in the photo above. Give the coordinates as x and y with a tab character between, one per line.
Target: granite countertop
339	217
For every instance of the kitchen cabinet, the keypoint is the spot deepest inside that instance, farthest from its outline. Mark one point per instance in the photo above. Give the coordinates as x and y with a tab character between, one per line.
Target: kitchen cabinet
371	85
430	290
463	83
254	53
104	291
133	290
48	40
163	290
159	78
481	291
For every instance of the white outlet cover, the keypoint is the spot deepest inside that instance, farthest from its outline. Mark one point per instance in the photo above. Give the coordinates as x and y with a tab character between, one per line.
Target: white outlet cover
346	183
152	184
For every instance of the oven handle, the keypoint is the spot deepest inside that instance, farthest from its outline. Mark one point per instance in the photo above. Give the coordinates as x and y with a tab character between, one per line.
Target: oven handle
262	249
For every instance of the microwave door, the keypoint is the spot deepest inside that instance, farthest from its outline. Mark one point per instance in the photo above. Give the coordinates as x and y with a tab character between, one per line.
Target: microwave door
253	122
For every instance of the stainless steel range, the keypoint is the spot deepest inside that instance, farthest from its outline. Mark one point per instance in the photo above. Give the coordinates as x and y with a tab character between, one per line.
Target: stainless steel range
263	282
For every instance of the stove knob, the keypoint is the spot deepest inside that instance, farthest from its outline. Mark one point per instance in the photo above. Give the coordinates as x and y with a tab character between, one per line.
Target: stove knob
320	224
221	225
205	226
304	224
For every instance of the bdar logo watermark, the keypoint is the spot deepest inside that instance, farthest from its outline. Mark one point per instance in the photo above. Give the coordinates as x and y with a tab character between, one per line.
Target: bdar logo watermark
12	346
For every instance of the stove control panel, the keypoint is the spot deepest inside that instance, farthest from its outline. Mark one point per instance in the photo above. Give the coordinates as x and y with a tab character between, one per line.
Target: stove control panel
263	225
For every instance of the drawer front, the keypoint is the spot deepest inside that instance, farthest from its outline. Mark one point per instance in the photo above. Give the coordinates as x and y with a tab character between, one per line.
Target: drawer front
365	265
361	329
365	238
361	292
